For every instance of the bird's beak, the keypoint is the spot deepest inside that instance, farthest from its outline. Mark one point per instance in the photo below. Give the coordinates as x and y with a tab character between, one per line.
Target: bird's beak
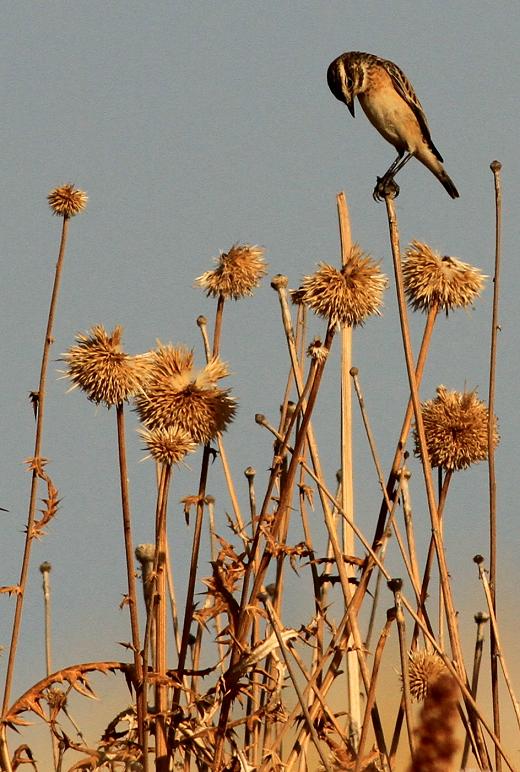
350	106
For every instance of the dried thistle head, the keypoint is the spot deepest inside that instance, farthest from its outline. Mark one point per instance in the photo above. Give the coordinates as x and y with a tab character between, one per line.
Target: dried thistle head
456	429
180	396
168	446
99	367
430	279
67	201
316	350
348	295
237	273
423	670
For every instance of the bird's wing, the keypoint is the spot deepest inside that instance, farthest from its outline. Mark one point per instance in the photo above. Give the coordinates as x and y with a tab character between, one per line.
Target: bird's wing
405	89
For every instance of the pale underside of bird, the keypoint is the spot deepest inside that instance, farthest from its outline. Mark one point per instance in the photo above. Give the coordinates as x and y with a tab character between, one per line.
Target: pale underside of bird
389	101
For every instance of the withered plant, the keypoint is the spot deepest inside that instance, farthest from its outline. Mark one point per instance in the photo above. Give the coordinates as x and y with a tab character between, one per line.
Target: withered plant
224	680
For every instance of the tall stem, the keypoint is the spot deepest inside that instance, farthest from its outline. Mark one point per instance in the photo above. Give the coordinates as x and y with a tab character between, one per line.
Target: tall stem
495	168
130	571
41	394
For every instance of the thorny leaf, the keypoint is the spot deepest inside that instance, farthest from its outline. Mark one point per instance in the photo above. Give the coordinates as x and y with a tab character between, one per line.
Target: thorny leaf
75	676
189	502
19	758
36	464
51	507
11	589
307	492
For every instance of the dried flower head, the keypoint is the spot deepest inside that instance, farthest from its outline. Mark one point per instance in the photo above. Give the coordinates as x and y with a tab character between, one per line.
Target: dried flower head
67	201
237	273
456	428
424	668
168	446
178	395
444	281
316	350
104	372
349	295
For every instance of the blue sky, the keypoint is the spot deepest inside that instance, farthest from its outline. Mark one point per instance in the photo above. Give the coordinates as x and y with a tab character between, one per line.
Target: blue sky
192	126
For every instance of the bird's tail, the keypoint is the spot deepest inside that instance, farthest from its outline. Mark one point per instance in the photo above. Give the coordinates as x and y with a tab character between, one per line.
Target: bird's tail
446	181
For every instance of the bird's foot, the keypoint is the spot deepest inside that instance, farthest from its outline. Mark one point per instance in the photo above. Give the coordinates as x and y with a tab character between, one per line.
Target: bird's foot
386	187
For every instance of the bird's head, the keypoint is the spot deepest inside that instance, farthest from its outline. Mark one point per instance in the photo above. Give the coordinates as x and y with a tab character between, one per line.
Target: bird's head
345	78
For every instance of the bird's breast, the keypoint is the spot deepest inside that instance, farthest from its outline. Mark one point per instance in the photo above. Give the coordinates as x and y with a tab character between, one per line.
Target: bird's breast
392	117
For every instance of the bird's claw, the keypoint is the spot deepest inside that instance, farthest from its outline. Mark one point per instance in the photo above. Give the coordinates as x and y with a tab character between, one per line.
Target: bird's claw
386	187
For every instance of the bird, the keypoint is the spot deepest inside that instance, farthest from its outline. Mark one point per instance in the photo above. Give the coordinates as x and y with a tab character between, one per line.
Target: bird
393	108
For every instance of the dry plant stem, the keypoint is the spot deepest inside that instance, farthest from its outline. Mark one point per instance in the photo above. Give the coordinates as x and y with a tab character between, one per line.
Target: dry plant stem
398	458
161	689
499	652
480	620
432	505
314	380
390	617
276	625
395	585
495	168
130	571
379	470
37	454
45	569
347	486
34	486
451	615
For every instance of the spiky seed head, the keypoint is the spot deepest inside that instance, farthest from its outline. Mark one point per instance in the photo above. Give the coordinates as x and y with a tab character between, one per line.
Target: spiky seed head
237	273
168	446
99	367
456	429
346	296
316	350
447	282
423	669
67	201
178	395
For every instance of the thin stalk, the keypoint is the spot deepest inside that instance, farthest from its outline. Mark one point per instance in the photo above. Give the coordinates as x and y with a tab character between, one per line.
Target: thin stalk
495	326
130	571
276	625
395	585
161	689
371	696
480	620
494	627
41	395
347	485
45	569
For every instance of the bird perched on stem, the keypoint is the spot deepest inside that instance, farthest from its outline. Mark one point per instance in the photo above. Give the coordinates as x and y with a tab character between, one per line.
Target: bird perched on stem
391	105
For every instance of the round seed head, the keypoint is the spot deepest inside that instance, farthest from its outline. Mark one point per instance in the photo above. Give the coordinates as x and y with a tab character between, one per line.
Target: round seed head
346	296
237	273
456	429
168	446
67	201
180	396
423	670
430	279
104	372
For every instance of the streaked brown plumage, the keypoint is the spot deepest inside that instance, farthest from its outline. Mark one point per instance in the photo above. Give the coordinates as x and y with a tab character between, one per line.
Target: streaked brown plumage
393	108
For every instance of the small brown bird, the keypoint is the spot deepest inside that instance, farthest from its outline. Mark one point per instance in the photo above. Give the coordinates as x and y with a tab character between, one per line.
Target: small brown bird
391	105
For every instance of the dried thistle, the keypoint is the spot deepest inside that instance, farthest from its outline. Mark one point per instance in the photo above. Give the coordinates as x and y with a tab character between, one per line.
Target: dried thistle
237	273
104	372
348	295
316	350
67	201
177	395
423	670
168	446
436	743
444	281
456	429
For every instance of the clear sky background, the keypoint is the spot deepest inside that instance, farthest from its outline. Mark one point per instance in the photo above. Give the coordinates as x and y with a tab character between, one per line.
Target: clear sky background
193	125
